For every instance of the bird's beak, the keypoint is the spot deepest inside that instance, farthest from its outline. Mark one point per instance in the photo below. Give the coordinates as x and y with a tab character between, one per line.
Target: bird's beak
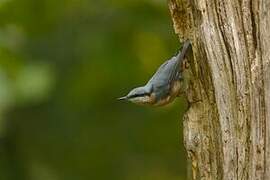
122	98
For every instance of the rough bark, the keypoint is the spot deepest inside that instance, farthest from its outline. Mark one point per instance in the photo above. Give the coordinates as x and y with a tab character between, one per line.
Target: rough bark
227	128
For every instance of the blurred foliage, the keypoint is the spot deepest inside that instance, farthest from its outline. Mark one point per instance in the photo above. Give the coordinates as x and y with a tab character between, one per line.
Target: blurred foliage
62	65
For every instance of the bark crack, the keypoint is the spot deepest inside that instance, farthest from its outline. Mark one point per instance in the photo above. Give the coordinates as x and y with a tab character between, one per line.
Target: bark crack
253	22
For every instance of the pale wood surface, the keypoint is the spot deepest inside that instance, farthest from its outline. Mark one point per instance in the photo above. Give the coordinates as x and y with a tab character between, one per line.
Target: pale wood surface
227	127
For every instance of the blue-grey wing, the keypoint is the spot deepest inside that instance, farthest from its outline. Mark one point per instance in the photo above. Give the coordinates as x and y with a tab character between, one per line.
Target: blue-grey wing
165	73
168	72
162	79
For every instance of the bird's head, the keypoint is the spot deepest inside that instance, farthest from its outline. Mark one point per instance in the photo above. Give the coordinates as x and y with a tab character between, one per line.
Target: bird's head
140	95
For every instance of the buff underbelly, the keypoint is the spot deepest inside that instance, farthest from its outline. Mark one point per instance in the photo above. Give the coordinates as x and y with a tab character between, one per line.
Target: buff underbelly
173	94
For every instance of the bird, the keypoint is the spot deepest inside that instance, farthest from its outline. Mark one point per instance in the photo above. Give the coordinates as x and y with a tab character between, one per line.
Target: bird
165	85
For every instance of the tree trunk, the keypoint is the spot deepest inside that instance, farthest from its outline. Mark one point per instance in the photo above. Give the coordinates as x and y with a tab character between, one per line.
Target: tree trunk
227	128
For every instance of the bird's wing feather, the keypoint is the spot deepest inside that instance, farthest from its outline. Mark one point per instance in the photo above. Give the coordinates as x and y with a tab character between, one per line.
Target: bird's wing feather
169	70
164	73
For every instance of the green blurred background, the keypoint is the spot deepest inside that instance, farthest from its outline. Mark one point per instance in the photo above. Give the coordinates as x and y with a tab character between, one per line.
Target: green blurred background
63	63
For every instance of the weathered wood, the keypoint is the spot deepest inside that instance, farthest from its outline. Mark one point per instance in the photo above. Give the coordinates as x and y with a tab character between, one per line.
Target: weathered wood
227	127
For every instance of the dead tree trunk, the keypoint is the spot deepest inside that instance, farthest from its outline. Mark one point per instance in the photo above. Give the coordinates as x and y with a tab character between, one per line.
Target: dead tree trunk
227	127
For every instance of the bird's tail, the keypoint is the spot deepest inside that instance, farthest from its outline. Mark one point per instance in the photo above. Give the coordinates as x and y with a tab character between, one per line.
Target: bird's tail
180	60
181	55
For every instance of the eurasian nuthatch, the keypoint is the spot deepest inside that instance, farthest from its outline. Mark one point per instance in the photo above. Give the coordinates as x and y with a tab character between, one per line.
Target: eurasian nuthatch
165	85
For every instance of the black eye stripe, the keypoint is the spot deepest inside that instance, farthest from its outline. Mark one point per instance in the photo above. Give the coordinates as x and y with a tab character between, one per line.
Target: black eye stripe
138	95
